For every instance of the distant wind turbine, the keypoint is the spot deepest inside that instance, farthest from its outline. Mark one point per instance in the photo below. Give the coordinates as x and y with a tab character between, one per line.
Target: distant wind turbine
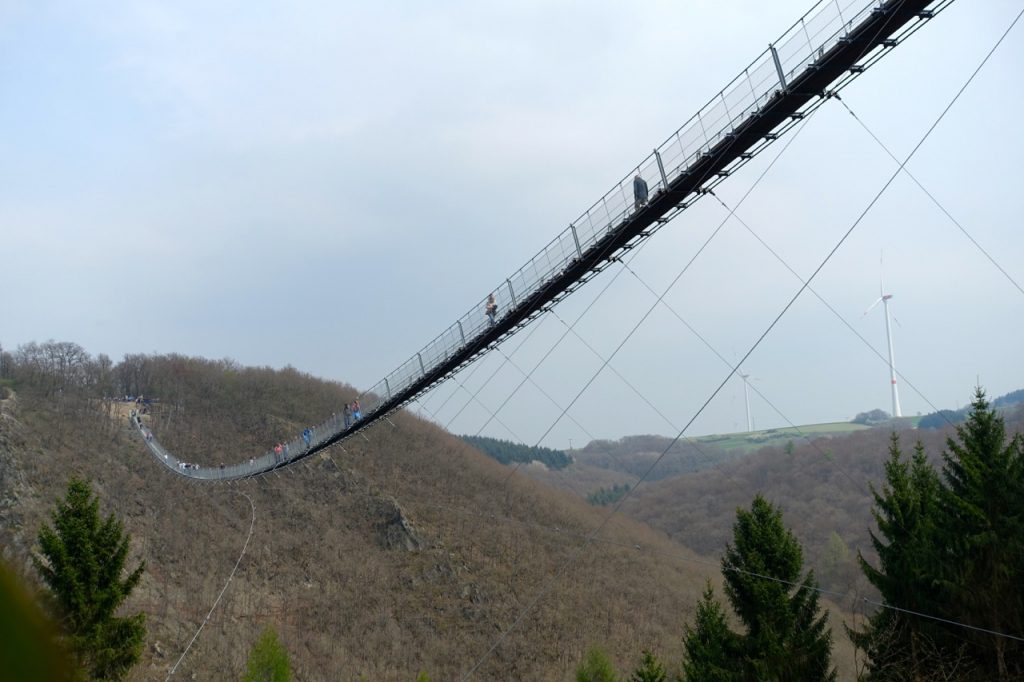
746	399
884	300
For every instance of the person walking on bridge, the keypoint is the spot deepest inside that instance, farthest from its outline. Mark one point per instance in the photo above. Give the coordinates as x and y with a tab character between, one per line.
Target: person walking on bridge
639	192
348	415
357	413
307	436
491	309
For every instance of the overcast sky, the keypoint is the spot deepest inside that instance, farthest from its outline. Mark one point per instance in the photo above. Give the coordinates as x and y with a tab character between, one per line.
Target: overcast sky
330	185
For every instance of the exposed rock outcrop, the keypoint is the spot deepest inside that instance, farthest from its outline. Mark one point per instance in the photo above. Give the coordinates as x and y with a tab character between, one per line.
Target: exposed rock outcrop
395	531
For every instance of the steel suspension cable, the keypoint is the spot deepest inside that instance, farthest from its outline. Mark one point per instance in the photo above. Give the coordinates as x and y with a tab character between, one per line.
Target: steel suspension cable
615	371
932	197
542	392
245	546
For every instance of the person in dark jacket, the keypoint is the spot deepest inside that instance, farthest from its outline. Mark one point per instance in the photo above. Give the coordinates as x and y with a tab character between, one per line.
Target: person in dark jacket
639	192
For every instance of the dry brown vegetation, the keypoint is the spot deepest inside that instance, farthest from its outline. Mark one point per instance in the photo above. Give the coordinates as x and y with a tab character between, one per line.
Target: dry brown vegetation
407	551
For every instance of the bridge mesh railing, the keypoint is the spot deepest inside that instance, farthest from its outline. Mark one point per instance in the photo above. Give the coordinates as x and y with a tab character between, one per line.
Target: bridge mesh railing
806	41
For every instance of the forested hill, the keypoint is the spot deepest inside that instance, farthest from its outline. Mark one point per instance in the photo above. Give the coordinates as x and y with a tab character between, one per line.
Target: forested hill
822	484
506	452
408	551
937	420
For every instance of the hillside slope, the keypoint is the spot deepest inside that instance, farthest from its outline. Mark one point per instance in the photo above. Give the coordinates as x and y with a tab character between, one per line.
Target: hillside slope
823	487
404	551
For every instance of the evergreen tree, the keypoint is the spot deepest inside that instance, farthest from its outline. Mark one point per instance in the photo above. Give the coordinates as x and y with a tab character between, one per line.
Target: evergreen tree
506	451
606	496
596	668
712	649
650	670
952	548
82	561
268	660
982	505
901	646
787	637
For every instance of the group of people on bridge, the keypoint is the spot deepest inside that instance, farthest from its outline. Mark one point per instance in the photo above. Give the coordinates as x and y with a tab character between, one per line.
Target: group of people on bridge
352	413
281	451
146	433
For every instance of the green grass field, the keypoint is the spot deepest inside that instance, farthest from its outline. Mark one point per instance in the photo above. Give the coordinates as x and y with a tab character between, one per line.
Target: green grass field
758	439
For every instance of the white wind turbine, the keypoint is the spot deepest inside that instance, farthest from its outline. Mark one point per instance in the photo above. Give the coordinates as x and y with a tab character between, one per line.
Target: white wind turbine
884	300
746	398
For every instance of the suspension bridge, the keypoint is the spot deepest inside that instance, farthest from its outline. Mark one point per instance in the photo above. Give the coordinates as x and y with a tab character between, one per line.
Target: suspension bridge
820	54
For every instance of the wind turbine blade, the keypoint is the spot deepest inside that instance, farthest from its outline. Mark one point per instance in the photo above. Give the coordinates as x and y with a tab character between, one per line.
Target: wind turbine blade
872	307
